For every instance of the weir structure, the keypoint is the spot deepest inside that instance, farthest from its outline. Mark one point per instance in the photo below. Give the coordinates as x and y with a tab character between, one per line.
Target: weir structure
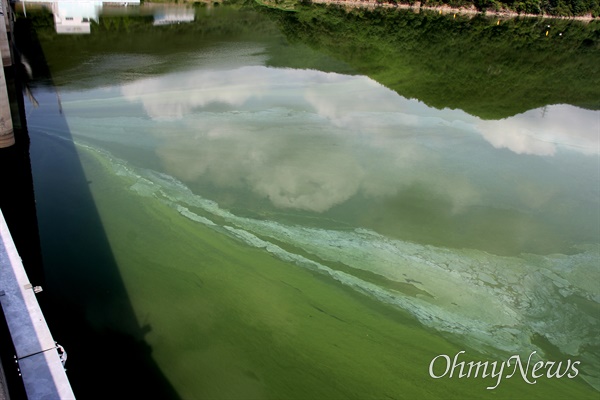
31	366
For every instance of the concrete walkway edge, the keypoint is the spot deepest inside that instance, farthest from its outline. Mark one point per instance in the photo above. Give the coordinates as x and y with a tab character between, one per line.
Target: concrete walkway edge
42	371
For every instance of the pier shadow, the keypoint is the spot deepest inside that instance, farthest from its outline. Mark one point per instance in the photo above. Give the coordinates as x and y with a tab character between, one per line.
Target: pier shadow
84	300
17	201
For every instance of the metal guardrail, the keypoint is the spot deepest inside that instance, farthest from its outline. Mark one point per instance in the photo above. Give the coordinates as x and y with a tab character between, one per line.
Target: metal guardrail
37	353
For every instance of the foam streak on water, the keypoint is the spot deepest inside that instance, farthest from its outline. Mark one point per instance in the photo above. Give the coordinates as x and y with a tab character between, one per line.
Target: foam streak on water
489	301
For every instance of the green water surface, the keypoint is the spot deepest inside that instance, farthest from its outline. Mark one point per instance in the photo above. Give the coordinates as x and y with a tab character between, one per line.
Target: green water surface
234	213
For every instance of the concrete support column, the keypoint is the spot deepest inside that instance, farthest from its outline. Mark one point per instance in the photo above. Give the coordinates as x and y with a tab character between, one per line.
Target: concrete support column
7	136
4	34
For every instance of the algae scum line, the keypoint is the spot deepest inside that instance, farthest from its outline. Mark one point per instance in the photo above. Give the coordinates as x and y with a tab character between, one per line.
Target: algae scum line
492	287
249	217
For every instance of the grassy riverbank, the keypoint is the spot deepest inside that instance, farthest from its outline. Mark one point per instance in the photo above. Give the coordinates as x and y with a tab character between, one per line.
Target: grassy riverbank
578	9
456	8
487	68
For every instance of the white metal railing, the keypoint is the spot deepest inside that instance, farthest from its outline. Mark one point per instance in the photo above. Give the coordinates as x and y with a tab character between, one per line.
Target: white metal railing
37	355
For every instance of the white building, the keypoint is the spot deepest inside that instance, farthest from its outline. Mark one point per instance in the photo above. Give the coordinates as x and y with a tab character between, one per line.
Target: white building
74	16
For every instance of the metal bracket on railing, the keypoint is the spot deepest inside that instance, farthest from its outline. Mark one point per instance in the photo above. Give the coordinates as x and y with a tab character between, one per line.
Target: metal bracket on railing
36	289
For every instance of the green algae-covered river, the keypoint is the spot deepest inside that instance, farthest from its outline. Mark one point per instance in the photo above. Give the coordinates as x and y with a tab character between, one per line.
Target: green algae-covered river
239	207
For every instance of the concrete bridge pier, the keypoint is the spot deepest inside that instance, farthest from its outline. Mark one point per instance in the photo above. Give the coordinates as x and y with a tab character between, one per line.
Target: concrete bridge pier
7	137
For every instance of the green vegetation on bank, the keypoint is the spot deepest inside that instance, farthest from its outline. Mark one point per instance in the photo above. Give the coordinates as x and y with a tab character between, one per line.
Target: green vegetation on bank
116	34
555	8
487	68
564	8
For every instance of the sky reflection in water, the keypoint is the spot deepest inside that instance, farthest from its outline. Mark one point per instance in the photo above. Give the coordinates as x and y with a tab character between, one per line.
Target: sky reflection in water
311	140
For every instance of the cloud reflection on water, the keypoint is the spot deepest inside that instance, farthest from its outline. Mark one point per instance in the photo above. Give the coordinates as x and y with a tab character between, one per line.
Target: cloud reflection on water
301	174
543	131
309	140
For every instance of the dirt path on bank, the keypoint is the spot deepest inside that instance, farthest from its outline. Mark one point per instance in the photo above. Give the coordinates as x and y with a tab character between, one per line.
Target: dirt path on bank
445	9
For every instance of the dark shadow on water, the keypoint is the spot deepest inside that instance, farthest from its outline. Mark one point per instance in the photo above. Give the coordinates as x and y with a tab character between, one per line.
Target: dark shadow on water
84	300
17	200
